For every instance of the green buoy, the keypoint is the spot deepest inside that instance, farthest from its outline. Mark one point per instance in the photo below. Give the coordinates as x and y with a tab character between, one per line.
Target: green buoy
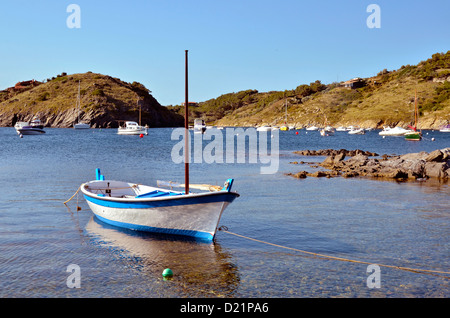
167	273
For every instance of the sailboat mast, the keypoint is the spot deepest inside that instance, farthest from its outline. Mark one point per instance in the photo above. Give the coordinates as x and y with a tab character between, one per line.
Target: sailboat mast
78	101
139	104
415	111
186	130
285	115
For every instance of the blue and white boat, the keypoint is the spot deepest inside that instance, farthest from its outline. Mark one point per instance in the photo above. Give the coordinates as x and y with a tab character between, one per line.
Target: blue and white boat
151	209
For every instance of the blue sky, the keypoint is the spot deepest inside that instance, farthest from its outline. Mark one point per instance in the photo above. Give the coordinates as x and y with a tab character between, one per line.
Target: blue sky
233	45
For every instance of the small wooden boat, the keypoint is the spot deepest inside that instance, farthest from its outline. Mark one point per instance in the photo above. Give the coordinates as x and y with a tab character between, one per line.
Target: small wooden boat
151	209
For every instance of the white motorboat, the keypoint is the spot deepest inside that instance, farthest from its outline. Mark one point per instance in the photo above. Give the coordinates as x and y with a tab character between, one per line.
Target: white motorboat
199	126
312	128
264	128
396	131
357	131
35	127
131	128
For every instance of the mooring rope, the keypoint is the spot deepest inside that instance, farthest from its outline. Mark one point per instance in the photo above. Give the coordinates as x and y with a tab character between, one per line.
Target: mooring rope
414	270
72	195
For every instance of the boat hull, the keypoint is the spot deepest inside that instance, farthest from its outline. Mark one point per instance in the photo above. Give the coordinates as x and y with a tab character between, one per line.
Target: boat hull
81	126
195	215
357	132
30	131
132	131
416	136
397	131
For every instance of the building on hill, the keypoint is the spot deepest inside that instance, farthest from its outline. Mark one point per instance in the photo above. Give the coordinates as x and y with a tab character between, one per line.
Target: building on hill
190	104
22	85
356	82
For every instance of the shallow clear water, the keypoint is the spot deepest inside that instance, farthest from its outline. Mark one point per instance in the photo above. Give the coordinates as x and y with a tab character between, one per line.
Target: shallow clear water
380	222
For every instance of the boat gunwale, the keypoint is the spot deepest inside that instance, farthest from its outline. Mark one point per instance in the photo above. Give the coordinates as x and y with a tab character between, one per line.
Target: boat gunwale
152	199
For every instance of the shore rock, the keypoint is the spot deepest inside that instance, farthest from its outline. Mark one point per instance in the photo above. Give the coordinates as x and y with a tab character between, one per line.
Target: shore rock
420	165
333	152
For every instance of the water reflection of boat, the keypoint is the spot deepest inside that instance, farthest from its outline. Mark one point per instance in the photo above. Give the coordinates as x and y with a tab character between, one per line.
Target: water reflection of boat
200	268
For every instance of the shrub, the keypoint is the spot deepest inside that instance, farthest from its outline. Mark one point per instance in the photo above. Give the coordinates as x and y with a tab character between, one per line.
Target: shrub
43	96
98	92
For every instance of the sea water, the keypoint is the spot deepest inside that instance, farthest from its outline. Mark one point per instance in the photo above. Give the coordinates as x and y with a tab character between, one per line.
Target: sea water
280	220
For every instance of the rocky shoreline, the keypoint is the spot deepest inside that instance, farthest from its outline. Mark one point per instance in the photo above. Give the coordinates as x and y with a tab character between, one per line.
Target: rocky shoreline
422	165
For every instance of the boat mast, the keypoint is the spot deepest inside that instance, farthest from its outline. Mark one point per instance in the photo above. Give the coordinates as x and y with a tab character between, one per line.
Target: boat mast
139	104
416	113
186	129
285	115
78	101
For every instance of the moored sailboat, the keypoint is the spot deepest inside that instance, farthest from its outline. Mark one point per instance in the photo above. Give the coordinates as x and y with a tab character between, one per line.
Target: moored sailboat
80	124
413	134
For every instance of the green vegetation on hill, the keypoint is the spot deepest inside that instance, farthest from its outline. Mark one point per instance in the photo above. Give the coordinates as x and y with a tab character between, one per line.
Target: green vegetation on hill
228	104
385	99
104	100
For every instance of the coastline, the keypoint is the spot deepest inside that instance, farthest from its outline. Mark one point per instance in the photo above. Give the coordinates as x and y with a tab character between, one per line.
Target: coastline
412	166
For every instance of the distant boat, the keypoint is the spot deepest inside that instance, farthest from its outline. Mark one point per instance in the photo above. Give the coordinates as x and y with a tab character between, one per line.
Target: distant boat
285	127
80	124
396	131
35	127
327	131
445	128
357	131
131	128
312	128
413	134
264	128
341	129
199	126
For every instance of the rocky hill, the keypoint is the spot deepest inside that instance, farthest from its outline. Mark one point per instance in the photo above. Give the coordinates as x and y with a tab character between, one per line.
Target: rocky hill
383	100
104	100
